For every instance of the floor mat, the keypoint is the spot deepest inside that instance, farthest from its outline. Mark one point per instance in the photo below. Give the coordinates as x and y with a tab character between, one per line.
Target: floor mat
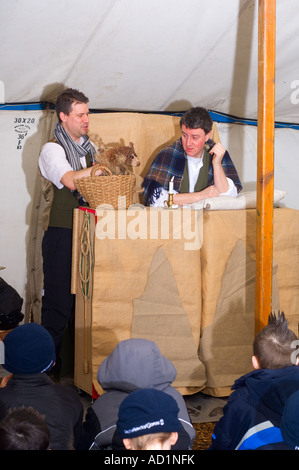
204	408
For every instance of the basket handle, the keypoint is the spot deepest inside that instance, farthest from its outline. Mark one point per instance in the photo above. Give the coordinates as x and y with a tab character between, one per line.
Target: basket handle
100	167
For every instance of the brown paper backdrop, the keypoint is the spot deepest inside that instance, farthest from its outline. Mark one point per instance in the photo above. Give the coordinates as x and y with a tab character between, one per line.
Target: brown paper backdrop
133	296
228	280
189	300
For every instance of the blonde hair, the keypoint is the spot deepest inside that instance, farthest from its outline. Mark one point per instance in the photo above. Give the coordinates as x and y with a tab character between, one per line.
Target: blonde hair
145	441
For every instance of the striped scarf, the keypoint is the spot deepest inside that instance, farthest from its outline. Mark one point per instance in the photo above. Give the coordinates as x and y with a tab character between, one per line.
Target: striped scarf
72	149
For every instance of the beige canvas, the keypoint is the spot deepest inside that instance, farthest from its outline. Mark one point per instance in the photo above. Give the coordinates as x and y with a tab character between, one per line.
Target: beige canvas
228	280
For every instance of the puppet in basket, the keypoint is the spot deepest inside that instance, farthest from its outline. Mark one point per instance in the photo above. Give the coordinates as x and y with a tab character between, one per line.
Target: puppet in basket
119	160
115	185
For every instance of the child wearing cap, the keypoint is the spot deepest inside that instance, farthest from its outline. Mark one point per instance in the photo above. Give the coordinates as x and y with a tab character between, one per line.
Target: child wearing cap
24	429
252	416
134	364
148	420
29	353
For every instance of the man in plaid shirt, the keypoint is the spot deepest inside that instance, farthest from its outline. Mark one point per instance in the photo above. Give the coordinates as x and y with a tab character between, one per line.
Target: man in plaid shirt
209	171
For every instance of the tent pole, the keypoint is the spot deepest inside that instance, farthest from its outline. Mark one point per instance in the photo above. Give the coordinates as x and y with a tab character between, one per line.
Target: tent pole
265	162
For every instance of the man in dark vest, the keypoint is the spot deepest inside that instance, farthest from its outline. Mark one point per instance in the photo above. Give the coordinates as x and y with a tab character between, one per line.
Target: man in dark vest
67	157
198	167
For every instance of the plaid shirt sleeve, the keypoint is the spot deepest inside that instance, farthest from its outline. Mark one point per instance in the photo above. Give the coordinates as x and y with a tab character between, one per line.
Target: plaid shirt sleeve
229	170
170	162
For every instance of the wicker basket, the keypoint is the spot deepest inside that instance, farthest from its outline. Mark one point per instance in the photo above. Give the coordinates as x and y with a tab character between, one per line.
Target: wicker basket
103	189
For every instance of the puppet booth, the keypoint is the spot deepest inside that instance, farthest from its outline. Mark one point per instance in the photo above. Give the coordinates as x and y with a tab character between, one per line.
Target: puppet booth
186	277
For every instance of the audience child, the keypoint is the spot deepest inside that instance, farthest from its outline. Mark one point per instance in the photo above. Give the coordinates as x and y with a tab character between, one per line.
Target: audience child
252	416
29	354
24	429
134	364
148	420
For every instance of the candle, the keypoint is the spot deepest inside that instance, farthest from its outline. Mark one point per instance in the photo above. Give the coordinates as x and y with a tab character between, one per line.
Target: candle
170	188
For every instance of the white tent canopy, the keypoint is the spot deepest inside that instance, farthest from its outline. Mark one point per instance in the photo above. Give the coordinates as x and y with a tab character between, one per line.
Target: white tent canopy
149	55
144	56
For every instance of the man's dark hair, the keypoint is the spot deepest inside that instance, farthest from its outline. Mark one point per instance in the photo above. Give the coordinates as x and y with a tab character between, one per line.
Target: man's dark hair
66	99
24	429
272	345
196	118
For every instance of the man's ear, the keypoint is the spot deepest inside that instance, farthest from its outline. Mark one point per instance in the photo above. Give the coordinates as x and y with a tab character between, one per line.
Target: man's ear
173	438
208	136
128	444
62	116
255	362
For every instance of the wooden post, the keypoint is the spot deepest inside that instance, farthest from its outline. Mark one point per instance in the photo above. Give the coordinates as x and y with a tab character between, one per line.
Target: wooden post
265	162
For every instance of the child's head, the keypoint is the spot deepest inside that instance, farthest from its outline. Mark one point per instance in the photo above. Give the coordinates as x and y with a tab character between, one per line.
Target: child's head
24	429
29	349
272	345
148	419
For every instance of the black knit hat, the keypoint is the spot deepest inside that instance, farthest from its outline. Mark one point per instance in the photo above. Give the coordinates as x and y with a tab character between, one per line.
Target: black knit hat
147	411
28	349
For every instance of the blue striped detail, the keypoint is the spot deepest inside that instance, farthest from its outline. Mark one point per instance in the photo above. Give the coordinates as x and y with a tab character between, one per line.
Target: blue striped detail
215	115
270	435
220	117
24	107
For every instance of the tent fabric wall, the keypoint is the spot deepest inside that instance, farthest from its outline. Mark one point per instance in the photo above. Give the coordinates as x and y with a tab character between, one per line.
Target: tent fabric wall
241	140
146	56
22	134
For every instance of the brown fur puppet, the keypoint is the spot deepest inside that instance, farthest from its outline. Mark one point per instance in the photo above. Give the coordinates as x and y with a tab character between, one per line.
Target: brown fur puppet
119	160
